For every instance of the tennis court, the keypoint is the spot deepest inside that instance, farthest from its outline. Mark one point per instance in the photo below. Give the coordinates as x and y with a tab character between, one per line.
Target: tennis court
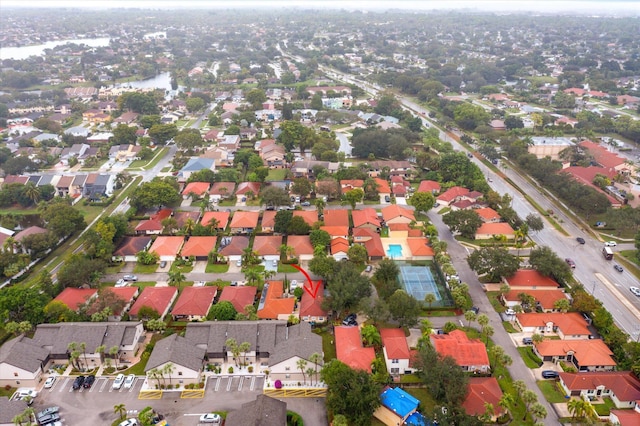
418	281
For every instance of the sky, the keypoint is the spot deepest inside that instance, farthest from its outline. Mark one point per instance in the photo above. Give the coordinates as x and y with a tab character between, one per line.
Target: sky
628	7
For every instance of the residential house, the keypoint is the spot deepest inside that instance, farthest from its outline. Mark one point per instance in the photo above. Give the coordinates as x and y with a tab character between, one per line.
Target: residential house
371	241
268	221
451	195
31	230
300	344
268	247
220	156
221	190
126	152
95	116
167	247
185	219
195	164
157	298
310	216
304	168
397	214
488	215
126	294
248	133
199	247
221	219
77	187
530	279
396	351
545	300
232	248
336	231
75	298
429	186
623	387
366	218
74	151
229	142
22	363
420	248
273	156
63	187
98	185
347	185
585	355
127	117
11	409
239	296
194	303
264	411
275	303
339	248
606	158
349	349
311	304
247	191
481	392
566	325
395	168
398	407
244	222
489	230
625	417
336	217
186	360
470	354
384	190
301	245
129	247
195	189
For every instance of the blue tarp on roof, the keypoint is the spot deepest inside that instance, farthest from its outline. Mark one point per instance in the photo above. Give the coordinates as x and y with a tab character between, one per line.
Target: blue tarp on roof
417	419
399	401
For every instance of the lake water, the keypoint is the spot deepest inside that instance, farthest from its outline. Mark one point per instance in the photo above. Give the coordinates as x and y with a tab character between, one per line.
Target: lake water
23	52
160	81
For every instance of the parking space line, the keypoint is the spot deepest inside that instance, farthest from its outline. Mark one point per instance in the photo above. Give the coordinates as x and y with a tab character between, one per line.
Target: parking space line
217	386
229	384
64	384
253	382
240	383
133	385
103	385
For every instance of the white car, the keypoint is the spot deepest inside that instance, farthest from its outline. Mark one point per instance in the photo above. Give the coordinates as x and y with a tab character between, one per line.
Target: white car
210	418
121	283
117	384
610	244
510	312
635	290
49	382
239	263
128	382
293	284
129	422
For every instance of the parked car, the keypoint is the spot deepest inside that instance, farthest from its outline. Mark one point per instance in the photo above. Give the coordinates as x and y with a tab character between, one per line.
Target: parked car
610	244
618	268
571	263
387	199
581	240
549	374
275	263
130	277
510	312
239	263
48	411
78	382
128	382
527	341
210	418
49	418
49	382
163	264
350	320
635	290
369	268
117	383
293	284
121	283
305	204
129	422
475	310
89	381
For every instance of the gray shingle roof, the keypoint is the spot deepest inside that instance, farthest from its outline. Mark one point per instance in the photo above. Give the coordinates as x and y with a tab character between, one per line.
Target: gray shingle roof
177	350
22	353
301	342
264	411
10	409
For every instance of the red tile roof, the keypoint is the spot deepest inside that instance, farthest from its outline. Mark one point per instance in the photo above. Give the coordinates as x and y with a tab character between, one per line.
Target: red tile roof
276	303
499	228
198	188
399	227
394	211
626	417
339	245
349	184
482	390
336	231
570	323
457	345
194	301
235	247
420	247
267	244
530	278
395	343
182	218
129	246
587	352
547	297
245	219
365	216
309	216
75	297
167	246
602	156
240	297
374	246
301	244
349	348
149	225
245	187
452	193
269	219
162	214
383	186
222	188
221	217
125	293
336	217
157	298
310	306
487	214
198	246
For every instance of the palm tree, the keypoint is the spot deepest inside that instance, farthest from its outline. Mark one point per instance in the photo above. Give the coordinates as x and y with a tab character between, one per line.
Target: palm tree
320	205
470	316
18	419
169	369
176	278
100	351
30	415
232	346
32	192
189	224
244	348
252	275
83	346
113	351
316	359
371	336
286	251
302	365
429	299
212	224
120	410
506	401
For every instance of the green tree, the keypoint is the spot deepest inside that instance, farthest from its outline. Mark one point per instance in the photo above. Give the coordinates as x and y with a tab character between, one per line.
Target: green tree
124	134
298	226
354	196
18	303
301	186
194	104
371	336
156	193
61	218
351	393
282	221
546	261
404	308
274	196
495	262
319	237
161	133
346	288
256	97
357	254
222	311
445	380
422	201
189	139
465	222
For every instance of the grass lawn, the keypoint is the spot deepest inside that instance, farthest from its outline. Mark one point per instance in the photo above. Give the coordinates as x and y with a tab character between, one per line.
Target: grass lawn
7	393
286	269
142	284
185	269
276	174
145	269
509	327
216	268
530	359
427	403
328	345
604	409
551	391
227	203
437	313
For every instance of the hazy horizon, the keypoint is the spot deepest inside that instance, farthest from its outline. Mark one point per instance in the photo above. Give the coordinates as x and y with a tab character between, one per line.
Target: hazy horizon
616	7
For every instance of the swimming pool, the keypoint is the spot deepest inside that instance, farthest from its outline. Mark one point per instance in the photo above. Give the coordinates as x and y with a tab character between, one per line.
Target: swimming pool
394	251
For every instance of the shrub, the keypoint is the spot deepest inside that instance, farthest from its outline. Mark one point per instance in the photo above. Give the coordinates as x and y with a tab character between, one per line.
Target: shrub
250	369
201	385
230	370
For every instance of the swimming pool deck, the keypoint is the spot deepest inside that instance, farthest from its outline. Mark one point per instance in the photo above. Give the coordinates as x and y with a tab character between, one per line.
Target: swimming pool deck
406	251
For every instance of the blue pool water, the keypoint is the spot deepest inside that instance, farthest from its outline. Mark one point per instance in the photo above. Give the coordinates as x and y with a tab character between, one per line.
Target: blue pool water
394	250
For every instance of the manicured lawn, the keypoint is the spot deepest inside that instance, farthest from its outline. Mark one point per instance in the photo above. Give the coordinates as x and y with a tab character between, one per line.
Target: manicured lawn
145	269
185	269
276	174
286	269
328	345
216	268
551	392
438	313
509	327
227	203
604	409
7	393
427	403
142	284
530	359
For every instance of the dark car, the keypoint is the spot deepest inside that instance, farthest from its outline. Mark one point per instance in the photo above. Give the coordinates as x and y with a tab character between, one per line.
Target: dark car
475	310
350	320
527	341
49	418
78	382
89	381
549	374
618	268
580	240
571	263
